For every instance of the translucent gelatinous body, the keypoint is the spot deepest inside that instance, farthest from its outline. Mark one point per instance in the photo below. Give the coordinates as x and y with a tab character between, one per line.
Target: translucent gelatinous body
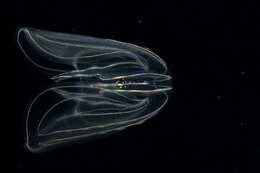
101	86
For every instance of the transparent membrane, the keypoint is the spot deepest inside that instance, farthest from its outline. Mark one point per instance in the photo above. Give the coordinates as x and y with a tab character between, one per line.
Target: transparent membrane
100	86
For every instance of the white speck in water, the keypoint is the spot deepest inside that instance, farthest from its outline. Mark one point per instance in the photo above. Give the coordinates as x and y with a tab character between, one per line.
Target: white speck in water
139	21
242	72
219	97
242	124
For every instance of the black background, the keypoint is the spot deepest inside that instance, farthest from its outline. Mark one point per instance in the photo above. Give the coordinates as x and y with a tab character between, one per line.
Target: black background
210	122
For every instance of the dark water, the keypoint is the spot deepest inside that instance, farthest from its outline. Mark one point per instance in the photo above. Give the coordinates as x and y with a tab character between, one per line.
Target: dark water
210	123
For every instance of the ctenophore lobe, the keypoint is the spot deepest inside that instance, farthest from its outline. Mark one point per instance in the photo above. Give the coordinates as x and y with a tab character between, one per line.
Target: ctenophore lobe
100	86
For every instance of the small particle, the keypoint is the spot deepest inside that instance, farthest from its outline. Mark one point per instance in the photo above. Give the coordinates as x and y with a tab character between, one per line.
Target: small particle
219	97
235	171
242	72
242	124
73	29
139	21
115	156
